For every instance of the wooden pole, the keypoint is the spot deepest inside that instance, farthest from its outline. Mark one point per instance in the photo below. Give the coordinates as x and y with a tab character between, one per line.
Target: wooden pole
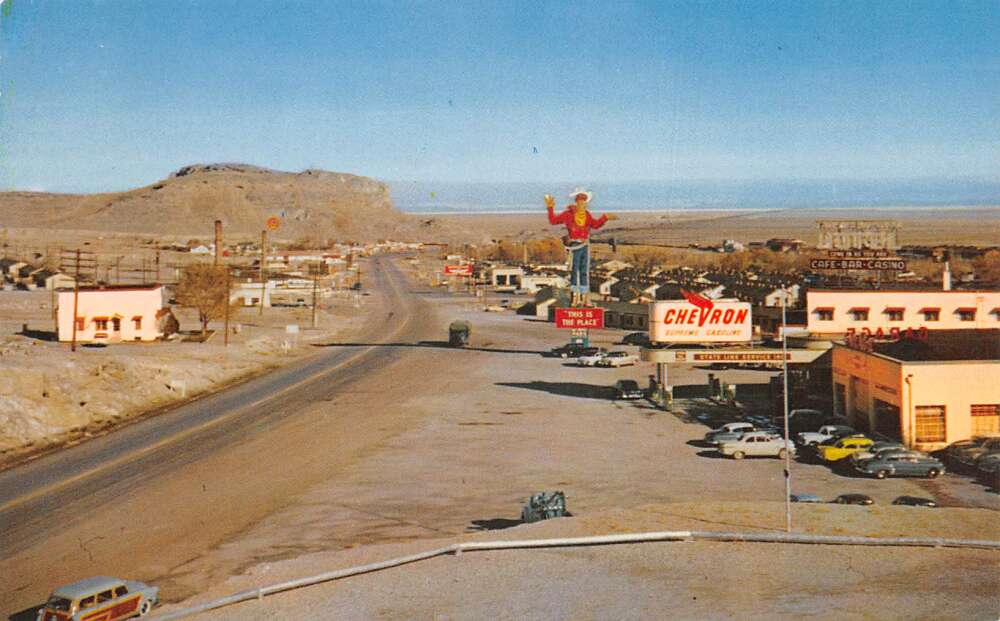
315	283
76	299
229	286
263	259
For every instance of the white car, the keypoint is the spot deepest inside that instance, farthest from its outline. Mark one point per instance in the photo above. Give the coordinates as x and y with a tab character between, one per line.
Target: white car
757	444
824	434
735	429
617	359
591	360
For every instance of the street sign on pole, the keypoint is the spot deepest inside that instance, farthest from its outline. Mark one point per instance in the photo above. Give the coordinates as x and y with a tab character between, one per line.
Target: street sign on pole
273	223
458	270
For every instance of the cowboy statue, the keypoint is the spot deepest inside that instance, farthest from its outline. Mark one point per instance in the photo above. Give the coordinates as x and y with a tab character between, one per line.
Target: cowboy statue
578	222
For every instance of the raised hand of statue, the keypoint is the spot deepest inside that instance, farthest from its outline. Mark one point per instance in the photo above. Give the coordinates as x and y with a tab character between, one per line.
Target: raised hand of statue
549	201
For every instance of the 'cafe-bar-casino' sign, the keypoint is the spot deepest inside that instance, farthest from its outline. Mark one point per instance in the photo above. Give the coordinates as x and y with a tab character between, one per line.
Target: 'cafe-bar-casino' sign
697	319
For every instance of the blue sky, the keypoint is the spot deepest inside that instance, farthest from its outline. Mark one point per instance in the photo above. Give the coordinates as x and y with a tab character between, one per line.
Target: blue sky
110	95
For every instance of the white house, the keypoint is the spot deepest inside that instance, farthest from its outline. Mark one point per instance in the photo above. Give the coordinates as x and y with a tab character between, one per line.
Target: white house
506	278
112	313
531	283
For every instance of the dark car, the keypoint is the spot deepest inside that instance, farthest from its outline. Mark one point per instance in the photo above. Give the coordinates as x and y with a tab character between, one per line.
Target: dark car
908	464
628	389
574	351
914	501
636	338
853	499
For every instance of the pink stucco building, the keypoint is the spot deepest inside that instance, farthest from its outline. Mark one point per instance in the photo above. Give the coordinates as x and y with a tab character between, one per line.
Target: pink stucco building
111	313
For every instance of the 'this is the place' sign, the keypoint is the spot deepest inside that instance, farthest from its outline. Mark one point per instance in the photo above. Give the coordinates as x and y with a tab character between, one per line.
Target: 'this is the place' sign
580	318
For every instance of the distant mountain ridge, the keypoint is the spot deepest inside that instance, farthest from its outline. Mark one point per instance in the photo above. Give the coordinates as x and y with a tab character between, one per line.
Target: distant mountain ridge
312	203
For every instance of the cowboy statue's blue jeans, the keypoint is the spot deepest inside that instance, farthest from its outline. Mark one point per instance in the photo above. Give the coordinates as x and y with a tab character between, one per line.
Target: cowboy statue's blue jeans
580	274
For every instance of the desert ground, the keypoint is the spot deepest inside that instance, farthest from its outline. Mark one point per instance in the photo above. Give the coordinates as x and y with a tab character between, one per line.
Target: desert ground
434	445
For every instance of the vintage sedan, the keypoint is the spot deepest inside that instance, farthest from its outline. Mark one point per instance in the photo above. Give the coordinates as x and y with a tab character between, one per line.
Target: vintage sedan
825	433
843	448
758	444
729	431
854	499
628	389
914	501
101	597
901	465
967	455
591	359
618	359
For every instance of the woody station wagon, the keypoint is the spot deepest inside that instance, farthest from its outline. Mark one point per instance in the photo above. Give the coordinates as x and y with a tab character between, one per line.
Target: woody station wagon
99	599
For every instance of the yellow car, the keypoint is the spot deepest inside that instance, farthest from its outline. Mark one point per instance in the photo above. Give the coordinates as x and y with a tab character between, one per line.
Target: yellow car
843	447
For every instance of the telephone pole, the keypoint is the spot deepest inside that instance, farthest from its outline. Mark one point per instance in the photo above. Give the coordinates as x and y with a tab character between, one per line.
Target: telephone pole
315	283
80	261
263	259
229	288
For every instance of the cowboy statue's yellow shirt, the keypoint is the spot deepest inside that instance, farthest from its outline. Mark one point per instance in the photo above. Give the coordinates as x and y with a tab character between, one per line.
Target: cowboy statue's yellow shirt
580	217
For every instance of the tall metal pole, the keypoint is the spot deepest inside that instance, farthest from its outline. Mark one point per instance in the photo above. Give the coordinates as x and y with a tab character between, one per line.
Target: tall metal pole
218	240
263	258
788	456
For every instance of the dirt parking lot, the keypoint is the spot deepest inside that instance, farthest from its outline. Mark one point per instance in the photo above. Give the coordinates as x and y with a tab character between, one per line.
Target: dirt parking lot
497	421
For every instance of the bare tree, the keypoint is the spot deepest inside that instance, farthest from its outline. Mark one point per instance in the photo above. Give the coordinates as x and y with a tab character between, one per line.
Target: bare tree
203	287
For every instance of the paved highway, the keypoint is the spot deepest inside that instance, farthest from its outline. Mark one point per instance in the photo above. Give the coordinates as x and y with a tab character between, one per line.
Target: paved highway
41	498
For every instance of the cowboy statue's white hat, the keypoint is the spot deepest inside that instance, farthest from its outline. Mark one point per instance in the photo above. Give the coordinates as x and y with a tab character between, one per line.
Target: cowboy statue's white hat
579	191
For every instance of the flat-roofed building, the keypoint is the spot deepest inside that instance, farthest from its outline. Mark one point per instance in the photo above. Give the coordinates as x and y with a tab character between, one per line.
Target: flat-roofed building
927	392
834	313
112	313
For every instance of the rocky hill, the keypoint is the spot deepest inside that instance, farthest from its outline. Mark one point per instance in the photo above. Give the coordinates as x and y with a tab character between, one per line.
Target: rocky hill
314	203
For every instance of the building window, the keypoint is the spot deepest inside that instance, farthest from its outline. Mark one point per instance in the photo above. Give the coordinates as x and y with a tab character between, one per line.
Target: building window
137	320
931	314
860	314
930	423
966	314
116	324
101	323
894	314
985	418
81	323
824	314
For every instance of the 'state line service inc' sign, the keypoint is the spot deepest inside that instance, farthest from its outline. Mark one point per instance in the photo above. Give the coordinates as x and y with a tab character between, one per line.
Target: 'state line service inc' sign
699	320
458	270
580	318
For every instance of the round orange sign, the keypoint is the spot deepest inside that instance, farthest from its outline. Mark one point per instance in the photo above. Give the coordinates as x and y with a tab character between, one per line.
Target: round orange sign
273	223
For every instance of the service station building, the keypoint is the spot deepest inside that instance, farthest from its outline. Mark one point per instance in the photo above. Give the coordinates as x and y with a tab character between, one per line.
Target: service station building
927	392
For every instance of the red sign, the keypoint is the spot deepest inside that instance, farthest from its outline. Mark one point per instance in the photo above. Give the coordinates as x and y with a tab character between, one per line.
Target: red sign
458	270
579	318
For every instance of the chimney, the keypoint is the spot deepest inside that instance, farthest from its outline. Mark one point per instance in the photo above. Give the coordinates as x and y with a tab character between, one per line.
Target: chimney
946	277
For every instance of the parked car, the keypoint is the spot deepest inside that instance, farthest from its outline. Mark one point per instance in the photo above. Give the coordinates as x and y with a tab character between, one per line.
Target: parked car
636	338
805	497
618	359
876	449
591	359
839	449
823	435
628	389
854	499
729	432
988	467
101	597
806	419
914	501
757	444
573	350
967	455
901	465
